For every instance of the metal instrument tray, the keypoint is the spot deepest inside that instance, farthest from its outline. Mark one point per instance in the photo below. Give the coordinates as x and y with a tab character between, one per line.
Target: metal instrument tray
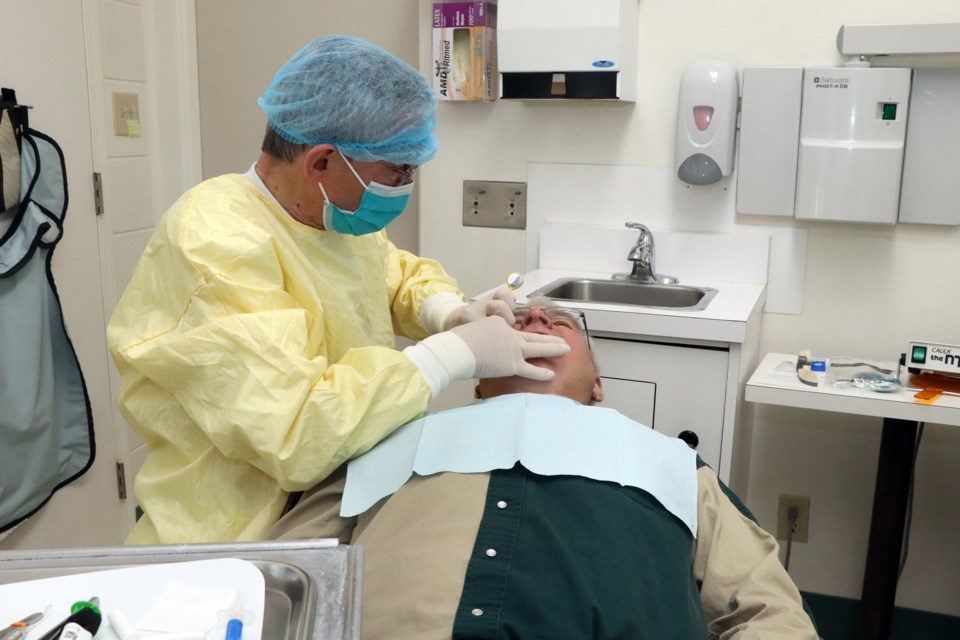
313	587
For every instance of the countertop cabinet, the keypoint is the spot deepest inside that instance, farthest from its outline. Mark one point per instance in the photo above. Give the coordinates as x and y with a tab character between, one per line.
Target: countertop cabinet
669	387
674	370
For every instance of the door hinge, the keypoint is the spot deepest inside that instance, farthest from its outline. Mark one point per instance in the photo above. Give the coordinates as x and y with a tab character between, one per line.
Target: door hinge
98	193
121	481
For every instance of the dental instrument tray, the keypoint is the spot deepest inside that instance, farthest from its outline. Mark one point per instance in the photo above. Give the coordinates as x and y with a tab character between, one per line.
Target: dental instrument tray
311	588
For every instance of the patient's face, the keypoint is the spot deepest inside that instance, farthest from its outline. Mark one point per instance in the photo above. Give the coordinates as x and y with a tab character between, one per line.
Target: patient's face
576	374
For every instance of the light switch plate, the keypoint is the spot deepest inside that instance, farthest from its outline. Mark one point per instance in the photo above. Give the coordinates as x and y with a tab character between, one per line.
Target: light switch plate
488	203
126	115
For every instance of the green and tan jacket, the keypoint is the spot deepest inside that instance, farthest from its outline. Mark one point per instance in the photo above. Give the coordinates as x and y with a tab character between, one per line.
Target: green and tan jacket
513	554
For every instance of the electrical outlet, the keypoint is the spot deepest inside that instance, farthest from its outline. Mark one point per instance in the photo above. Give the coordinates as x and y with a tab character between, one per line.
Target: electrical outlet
488	203
802	503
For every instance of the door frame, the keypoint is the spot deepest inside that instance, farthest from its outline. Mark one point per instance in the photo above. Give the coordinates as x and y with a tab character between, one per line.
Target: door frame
170	118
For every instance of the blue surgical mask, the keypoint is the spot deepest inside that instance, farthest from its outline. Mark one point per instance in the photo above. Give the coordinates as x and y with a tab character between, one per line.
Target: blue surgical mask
379	206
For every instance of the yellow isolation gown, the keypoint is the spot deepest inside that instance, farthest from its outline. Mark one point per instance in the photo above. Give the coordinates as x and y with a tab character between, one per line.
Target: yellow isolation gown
257	355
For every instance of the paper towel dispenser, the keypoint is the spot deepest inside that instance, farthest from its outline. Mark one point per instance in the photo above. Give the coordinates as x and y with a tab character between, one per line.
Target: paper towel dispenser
555	49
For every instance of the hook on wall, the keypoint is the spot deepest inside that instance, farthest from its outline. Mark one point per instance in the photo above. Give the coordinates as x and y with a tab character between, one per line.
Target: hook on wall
19	118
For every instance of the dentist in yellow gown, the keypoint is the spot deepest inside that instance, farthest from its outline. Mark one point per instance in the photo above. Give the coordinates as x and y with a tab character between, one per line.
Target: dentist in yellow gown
255	340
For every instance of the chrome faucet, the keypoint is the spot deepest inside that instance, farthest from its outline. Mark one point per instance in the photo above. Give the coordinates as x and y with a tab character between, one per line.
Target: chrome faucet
642	257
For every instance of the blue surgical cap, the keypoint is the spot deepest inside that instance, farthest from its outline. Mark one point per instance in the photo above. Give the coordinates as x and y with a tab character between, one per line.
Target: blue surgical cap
344	91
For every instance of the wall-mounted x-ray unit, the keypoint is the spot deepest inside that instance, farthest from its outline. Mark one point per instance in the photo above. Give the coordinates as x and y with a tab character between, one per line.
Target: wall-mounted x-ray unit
855	143
853	124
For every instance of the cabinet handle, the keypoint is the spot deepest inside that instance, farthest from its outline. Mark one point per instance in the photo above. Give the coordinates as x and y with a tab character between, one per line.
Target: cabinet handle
690	437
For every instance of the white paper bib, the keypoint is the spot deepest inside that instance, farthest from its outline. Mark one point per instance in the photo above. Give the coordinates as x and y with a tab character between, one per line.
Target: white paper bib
549	435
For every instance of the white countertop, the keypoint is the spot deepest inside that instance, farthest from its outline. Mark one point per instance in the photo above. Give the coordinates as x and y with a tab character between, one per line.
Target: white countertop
723	320
768	386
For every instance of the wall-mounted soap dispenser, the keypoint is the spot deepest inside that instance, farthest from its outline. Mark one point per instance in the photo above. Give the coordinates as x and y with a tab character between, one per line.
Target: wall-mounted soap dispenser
555	49
706	121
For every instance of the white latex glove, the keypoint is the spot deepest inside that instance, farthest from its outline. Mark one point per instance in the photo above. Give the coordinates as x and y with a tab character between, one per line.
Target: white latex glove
485	348
500	350
444	311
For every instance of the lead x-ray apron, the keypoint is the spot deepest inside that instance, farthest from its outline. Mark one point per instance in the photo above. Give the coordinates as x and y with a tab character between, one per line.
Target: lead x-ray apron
46	428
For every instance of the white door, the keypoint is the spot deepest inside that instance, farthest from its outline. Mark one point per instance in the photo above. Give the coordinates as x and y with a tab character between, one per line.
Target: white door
43	60
67	60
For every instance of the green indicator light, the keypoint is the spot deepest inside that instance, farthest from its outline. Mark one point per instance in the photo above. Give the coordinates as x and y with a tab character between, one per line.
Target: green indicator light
919	355
889	111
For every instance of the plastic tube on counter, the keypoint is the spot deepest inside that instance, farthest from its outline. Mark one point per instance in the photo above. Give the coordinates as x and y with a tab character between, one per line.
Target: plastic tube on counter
82	623
234	618
121	626
234	629
125	630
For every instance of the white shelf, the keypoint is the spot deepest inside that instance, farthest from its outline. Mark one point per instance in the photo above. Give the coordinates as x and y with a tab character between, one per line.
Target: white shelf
898	39
766	388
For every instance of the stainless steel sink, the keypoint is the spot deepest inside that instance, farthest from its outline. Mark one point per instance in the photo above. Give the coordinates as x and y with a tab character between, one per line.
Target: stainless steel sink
312	587
626	292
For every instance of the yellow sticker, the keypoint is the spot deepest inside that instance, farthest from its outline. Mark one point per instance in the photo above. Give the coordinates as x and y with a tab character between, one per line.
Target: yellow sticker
133	128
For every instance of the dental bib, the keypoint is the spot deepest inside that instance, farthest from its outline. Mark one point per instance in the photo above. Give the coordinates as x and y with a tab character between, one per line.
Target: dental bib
549	435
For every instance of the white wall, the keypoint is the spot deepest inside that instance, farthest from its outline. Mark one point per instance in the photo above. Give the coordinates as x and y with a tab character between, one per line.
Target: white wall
868	290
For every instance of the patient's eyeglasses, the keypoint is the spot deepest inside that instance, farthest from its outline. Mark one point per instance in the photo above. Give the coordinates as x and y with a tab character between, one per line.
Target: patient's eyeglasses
572	318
